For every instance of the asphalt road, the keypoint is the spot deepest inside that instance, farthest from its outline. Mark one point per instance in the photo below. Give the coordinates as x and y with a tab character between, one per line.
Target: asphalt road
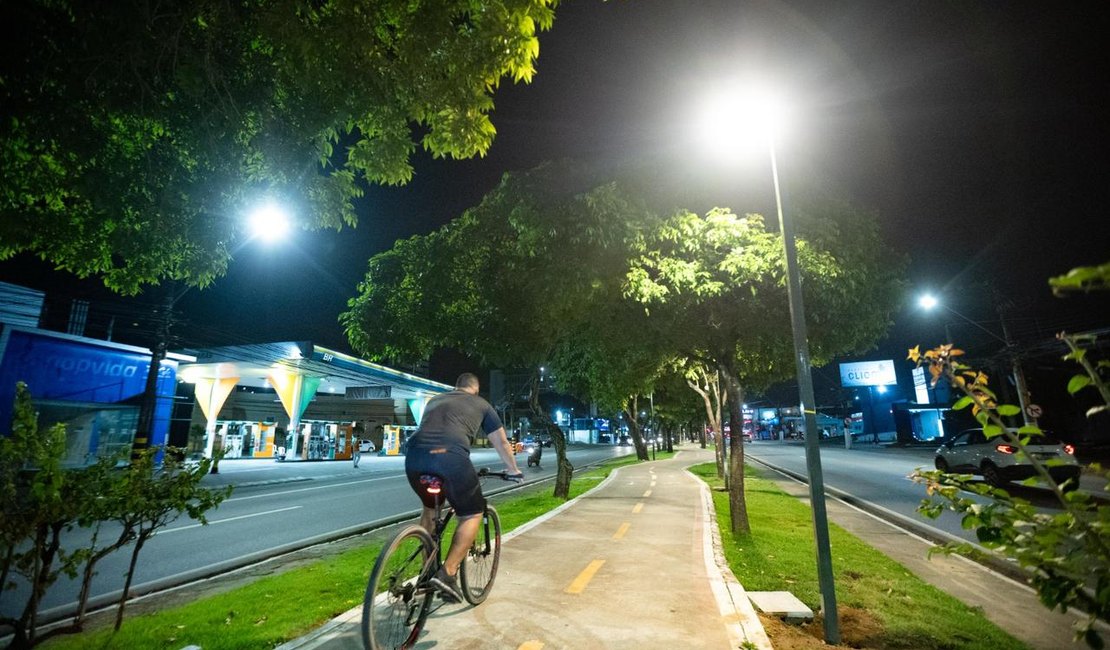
880	476
275	508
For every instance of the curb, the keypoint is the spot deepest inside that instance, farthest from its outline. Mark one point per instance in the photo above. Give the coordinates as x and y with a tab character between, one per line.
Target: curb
744	627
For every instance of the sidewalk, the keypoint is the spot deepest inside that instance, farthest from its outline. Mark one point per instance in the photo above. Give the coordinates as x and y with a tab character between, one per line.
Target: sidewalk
631	564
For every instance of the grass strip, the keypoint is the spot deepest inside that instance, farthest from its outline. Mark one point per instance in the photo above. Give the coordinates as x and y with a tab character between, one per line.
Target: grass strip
882	605
278	608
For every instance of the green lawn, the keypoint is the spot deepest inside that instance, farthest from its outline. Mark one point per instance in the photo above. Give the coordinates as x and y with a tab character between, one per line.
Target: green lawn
282	607
779	556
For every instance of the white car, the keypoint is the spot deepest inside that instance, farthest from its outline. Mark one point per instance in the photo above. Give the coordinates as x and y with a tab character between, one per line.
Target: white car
366	446
997	461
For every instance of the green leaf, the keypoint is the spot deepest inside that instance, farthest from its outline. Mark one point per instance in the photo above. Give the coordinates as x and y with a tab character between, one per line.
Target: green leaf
962	403
1032	430
1078	383
992	430
1008	409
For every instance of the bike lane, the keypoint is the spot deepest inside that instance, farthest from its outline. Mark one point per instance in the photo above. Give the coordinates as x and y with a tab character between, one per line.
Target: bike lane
630	564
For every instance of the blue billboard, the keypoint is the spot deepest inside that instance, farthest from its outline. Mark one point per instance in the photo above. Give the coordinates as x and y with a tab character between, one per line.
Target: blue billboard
71	374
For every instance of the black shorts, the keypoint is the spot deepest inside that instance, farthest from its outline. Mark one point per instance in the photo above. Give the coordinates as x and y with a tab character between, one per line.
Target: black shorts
460	480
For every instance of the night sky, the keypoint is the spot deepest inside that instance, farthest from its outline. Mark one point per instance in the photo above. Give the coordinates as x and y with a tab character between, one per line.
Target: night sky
976	131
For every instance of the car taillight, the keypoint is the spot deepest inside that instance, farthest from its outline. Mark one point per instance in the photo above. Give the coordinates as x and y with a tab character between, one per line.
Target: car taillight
1069	449
1006	449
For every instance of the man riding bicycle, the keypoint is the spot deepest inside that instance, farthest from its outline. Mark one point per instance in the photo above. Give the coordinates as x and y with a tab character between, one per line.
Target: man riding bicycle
441	446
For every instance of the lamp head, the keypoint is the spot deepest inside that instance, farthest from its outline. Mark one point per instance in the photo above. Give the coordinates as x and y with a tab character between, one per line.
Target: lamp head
269	222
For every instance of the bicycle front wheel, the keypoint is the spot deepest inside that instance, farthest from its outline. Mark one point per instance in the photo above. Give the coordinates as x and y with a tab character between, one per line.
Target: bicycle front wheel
396	602
479	568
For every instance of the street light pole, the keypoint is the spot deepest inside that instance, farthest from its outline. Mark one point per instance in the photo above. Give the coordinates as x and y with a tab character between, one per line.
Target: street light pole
809	412
928	302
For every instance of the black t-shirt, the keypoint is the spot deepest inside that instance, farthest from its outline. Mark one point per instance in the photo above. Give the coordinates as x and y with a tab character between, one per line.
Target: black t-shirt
454	418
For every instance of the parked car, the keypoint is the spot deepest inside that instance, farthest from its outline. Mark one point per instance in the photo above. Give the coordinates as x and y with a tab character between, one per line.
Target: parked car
366	446
998	462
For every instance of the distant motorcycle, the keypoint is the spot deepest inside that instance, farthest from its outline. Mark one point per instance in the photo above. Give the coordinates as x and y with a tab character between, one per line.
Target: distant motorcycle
535	453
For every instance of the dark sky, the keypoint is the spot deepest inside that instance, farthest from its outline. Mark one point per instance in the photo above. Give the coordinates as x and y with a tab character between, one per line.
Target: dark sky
977	131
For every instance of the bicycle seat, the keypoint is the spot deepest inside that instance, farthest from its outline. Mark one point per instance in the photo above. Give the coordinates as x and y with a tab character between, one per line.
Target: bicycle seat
433	483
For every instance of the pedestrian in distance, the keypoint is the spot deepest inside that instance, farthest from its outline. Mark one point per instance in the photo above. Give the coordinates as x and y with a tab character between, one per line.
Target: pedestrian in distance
356	452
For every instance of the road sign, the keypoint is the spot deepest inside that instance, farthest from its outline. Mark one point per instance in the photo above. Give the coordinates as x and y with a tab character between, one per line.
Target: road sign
1034	411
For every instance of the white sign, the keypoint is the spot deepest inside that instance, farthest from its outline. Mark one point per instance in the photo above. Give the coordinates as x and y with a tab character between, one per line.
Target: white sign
867	373
920	386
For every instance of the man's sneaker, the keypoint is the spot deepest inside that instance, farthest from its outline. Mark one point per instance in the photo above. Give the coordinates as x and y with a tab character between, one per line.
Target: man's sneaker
447	586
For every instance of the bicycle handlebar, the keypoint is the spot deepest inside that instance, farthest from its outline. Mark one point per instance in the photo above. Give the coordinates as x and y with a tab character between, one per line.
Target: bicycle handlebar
504	476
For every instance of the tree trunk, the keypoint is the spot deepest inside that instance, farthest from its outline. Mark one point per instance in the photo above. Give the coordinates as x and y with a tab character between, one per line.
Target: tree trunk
737	505
709	388
130	574
701	436
49	541
563	469
634	430
144	429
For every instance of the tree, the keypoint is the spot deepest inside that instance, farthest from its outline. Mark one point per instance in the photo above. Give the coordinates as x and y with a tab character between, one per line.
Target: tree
509	281
713	289
706	382
150	497
135	134
38	506
41	499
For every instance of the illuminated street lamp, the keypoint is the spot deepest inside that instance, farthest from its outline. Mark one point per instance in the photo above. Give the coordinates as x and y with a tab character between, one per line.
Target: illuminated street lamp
929	302
269	222
735	122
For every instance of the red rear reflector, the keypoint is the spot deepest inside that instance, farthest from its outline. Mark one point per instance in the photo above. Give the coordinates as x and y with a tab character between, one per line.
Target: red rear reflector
1006	449
1069	449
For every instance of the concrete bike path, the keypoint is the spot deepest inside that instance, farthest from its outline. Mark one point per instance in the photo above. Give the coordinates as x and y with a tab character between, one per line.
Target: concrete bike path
631	564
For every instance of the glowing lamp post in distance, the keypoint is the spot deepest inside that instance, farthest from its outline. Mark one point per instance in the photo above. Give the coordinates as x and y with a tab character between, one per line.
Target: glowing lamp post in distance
928	302
736	122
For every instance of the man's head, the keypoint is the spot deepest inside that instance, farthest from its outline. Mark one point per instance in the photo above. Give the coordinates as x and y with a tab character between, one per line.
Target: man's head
467	383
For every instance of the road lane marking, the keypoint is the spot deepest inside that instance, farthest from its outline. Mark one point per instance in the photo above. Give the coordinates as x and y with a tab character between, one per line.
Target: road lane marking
222	521
583	579
622	530
638	508
653	483
647	494
531	645
329	486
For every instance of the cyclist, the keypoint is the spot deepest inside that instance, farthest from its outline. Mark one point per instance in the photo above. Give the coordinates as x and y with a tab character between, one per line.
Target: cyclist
441	446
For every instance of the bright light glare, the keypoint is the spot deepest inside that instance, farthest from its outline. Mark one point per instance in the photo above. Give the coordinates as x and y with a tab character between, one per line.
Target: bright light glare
269	222
881	389
739	121
928	301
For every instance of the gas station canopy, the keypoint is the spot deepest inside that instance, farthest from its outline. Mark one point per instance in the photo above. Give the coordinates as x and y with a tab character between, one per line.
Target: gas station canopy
255	365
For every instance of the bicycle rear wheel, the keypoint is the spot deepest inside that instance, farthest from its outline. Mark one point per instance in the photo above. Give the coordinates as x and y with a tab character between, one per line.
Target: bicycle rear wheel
396	604
478	570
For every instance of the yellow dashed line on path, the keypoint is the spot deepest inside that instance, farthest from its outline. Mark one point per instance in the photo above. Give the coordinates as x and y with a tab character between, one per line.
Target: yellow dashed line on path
622	530
647	494
638	508
583	579
531	645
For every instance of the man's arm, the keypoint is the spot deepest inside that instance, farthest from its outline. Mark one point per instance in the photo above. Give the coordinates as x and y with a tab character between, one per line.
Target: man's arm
500	442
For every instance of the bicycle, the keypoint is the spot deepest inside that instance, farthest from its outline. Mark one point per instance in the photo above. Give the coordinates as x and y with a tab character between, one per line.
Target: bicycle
399	595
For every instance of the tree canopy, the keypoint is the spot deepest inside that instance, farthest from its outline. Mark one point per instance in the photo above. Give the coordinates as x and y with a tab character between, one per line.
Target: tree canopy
134	135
